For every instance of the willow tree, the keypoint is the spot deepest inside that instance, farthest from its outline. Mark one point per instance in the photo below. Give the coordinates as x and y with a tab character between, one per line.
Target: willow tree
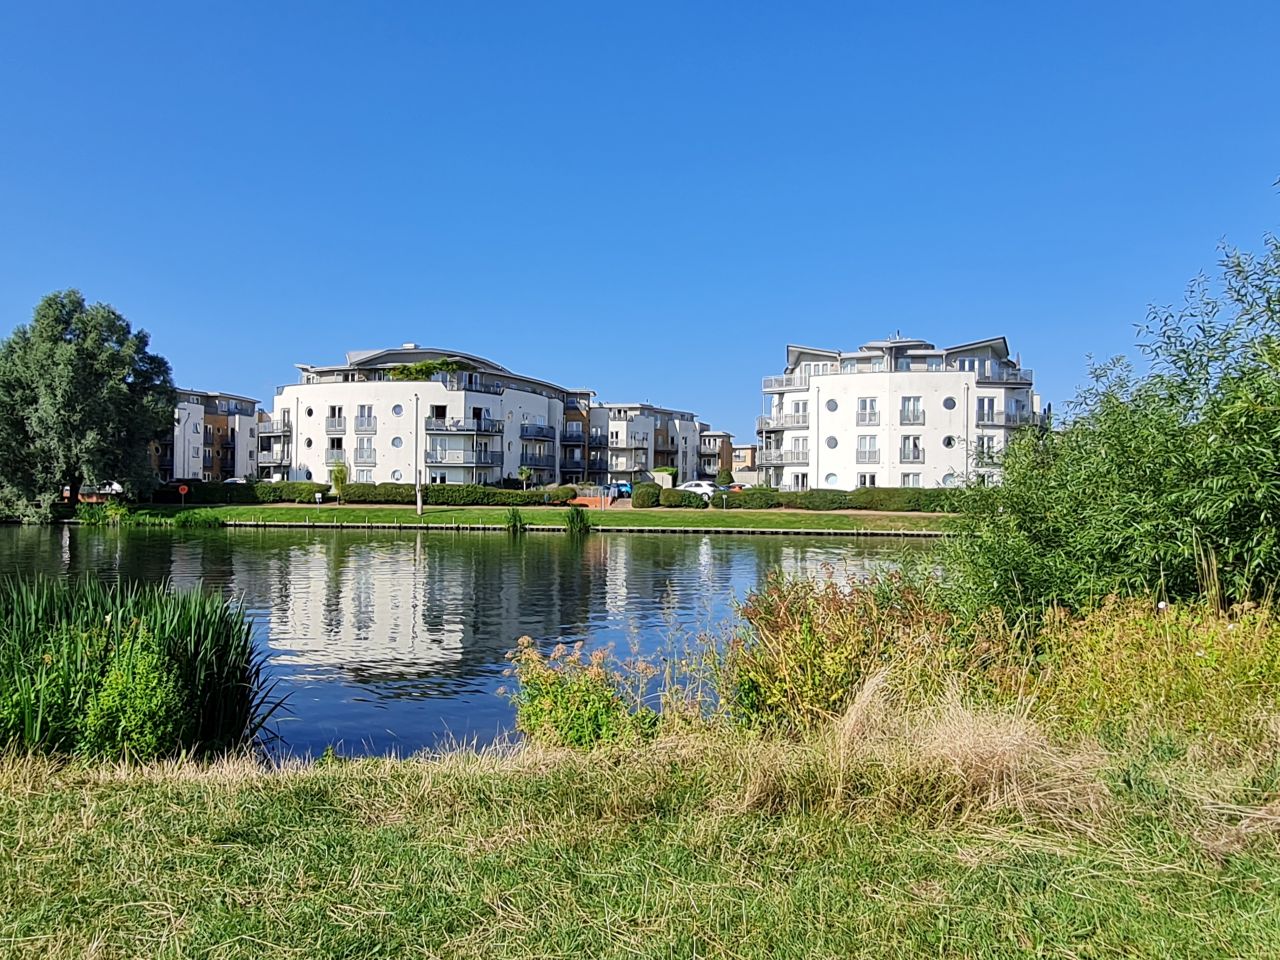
81	399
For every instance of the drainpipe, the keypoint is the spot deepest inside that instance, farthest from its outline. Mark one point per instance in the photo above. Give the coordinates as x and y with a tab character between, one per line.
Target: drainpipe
417	465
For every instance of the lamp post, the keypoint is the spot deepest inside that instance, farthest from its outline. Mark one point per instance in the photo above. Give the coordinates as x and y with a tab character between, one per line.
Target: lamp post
417	463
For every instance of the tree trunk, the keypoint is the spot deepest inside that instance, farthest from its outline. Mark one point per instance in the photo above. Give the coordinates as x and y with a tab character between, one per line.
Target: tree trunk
73	490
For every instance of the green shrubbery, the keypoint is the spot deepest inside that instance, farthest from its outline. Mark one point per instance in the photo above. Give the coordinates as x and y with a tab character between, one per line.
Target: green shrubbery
125	671
889	499
576	521
682	498
757	498
285	491
455	495
645	496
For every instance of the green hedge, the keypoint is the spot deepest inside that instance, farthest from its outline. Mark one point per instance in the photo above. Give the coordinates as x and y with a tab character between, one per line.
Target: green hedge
204	493
866	498
645	495
682	498
455	495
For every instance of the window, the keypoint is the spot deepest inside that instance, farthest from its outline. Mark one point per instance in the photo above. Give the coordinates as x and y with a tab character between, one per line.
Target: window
877	364
832	443
968	364
395	475
397	442
933	364
948	442
799	407
912	413
397	410
832	406
949	403
866	479
364	476
335	412
912	451
911	479
364	411
335	443
800	444
868	451
904	364
307	442
984	449
438	476
309	412
800	481
831	480
986	410
868	413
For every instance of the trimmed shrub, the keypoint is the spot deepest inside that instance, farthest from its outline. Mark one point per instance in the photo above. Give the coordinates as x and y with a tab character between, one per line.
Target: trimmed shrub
285	491
456	495
757	498
724	478
682	498
646	495
815	499
900	498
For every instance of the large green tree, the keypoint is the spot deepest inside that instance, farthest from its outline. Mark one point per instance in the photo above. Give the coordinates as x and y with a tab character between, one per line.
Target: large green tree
81	397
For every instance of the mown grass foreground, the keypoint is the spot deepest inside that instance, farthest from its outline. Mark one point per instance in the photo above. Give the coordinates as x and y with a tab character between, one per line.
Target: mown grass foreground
534	517
678	848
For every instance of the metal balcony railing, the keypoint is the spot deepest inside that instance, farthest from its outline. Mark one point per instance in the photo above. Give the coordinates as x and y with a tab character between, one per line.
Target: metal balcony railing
475	386
797	381
868	456
911	455
784	456
464	458
911	418
273	458
1007	418
332	457
537	431
538	460
1006	375
868	418
335	425
269	427
462	425
365	457
575	437
597	440
782	422
366	424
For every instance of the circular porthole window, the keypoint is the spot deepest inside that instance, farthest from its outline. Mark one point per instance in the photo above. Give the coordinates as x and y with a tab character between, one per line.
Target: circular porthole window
948	442
831	480
396	474
307	442
949	403
832	443
949	480
397	442
397	409
832	406
310	411
308	474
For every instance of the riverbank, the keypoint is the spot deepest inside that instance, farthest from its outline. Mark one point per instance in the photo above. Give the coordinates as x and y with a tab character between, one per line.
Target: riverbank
684	847
622	520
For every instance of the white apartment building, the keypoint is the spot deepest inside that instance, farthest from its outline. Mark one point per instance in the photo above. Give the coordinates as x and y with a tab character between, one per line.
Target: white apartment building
628	440
894	413
477	426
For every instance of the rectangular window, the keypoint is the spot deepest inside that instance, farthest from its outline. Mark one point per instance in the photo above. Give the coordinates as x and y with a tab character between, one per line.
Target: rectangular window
912	413
364	411
877	364
335	412
799	406
911	479
986	410
904	364
868	412
866	479
868	450
800	444
984	449
439	476
364	476
933	364
912	451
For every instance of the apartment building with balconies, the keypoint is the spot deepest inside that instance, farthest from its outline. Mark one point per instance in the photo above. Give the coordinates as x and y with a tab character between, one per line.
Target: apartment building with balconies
214	438
630	440
481	424
715	453
893	413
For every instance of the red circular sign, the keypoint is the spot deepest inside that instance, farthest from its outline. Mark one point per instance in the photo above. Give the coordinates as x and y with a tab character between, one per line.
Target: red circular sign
183	490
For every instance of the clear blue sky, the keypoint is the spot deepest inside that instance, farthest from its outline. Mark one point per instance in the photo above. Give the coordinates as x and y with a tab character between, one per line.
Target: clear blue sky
651	199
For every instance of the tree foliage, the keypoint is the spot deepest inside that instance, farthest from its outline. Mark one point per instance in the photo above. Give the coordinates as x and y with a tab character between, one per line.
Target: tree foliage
430	369
1166	481
81	397
724	477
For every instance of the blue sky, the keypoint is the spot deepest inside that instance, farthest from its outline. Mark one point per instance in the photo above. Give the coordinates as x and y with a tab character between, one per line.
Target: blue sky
650	199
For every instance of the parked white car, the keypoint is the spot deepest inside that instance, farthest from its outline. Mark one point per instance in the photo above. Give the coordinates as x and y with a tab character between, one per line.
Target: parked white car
703	488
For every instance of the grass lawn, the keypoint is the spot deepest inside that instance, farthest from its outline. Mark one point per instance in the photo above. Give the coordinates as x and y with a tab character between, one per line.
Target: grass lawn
652	857
534	516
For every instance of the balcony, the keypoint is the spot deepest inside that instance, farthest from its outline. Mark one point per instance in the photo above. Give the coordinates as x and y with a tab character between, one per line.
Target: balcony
273	458
1006	375
597	464
911	418
462	425
783	457
366	424
637	441
597	440
269	428
538	461
911	455
628	466
868	456
785	421
365	457
575	437
573	466
335	425
868	418
796	381
537	431
333	457
665	444
464	458
473	386
1007	418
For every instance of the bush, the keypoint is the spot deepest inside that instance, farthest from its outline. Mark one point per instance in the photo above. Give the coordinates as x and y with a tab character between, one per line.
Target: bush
113	513
285	491
566	699
646	495
671	472
101	669
682	498
724	478
456	495
815	499
576	522
757	498
933	499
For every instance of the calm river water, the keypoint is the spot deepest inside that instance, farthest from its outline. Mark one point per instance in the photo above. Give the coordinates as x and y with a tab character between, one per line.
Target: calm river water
389	641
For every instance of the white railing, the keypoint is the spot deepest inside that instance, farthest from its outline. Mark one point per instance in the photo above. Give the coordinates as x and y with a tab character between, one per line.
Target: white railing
794	381
911	418
784	456
868	456
366	424
335	425
868	418
332	457
782	422
1007	418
